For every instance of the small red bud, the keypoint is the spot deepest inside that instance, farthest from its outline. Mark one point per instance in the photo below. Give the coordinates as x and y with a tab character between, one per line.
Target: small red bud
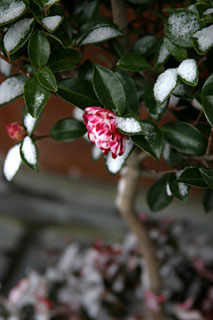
15	131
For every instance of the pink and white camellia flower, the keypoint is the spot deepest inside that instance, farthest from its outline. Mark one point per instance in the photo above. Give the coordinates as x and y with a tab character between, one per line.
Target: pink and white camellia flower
102	131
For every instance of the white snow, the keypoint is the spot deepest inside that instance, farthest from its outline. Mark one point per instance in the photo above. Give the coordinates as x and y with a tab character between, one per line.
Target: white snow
51	2
168	190
163	54
204	38
29	151
196	104
78	113
187	70
11	88
5	68
29	123
11	11
165	84
128	125
12	162
96	153
16	33
51	22
115	165
208	11
100	34
182	25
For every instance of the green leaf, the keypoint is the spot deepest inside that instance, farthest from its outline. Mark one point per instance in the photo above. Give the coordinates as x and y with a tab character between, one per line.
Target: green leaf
155	109
152	142
29	153
177	52
47	79
129	126
38	49
12	88
91	11
162	55
134	62
11	10
17	35
68	130
78	92
180	27
109	89
35	97
201	7
207	200
207	175
183	92
203	40
63	59
145	45
52	36
45	3
159	195
184	137
207	99
165	84
51	23
191	176
130	91
179	189
99	33
188	72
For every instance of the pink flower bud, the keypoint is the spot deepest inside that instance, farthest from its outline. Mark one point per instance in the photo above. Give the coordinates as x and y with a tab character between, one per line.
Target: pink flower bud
102	131
16	131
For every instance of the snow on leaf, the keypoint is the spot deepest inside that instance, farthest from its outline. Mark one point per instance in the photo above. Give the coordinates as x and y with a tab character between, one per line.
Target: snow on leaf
11	88
29	151
100	34
11	11
208	11
163	54
187	70
203	39
50	3
29	123
96	153
16	33
12	162
5	68
128	125
115	165
165	84
52	22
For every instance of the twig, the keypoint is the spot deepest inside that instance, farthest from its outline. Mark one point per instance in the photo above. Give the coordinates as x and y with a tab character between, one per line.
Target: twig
209	143
119	18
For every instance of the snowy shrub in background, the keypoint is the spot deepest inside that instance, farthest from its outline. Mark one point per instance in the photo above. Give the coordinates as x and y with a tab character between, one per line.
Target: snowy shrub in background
109	281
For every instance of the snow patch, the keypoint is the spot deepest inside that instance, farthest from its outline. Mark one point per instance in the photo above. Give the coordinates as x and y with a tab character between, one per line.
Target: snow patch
188	70
100	34
128	125
12	162
115	165
11	88
5	68
51	23
29	151
11	11
208	11
196	104
204	38
51	2
165	84
16	33
29	123
78	114
163	54
96	153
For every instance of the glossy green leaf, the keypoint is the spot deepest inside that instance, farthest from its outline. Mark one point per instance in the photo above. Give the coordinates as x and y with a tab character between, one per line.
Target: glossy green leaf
35	97
192	177
78	92
202	6
134	62
52	36
109	89
159	195
180	27
68	130
91	11
184	137
145	45
152	142
63	59
130	91
11	10
179	189
207	175
207	97
47	79
17	35
207	200
12	88
29	153
38	49
155	109
179	53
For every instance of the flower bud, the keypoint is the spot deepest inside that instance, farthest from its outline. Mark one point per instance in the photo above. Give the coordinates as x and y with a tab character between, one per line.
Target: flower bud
16	131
